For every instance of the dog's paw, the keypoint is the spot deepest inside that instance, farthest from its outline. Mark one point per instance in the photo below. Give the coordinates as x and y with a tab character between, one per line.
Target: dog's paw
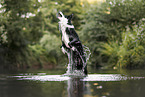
73	48
63	50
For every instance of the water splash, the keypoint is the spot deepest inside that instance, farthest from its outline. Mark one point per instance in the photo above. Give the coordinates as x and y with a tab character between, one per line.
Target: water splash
87	52
71	71
90	77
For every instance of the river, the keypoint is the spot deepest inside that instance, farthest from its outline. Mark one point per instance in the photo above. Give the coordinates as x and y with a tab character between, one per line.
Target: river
50	83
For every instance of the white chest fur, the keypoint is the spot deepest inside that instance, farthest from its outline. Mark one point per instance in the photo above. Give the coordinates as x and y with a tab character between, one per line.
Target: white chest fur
65	37
62	26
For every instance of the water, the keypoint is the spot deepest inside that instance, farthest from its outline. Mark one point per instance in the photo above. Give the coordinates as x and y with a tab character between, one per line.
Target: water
71	69
100	83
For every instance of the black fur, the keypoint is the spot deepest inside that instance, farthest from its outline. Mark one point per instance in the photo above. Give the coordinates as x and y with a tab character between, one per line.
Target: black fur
74	41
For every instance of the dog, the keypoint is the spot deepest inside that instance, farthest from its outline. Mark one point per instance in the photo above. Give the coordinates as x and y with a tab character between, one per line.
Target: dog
71	41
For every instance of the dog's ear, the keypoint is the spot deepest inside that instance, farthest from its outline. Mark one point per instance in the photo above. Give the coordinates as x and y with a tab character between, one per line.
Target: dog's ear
70	17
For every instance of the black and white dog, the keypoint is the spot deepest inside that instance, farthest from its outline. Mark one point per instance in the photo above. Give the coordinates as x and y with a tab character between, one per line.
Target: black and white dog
71	41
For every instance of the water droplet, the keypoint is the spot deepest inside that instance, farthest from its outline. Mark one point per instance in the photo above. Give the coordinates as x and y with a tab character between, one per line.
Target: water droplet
95	83
99	87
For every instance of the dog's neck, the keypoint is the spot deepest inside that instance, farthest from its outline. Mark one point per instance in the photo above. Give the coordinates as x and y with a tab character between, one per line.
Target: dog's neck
65	25
62	28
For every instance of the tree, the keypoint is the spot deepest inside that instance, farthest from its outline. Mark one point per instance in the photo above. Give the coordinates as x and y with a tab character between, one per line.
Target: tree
108	21
27	29
22	27
51	40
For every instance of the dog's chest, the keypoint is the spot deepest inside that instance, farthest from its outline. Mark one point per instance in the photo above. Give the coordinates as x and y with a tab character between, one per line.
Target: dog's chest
65	37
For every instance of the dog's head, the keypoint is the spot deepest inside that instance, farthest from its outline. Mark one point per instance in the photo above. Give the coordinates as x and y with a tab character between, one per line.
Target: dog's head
64	19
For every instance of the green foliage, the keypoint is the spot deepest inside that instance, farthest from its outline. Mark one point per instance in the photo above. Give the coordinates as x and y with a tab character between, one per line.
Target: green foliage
51	40
51	44
113	30
21	26
37	56
110	50
129	53
50	8
29	31
107	21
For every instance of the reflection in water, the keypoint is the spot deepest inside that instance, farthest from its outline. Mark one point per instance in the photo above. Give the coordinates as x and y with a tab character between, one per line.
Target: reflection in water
82	87
94	85
76	87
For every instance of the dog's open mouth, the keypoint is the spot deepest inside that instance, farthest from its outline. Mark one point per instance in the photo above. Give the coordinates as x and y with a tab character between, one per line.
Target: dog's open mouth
59	15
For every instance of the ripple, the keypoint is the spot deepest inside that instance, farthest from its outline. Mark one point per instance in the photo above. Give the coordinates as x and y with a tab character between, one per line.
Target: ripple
90	77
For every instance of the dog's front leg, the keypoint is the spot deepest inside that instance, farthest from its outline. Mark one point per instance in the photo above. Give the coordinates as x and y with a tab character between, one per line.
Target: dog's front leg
72	43
71	46
63	50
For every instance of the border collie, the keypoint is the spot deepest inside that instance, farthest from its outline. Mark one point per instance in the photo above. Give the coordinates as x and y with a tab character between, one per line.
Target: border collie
71	41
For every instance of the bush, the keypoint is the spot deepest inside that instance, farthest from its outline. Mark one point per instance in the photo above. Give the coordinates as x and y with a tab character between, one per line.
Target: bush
128	53
107	21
